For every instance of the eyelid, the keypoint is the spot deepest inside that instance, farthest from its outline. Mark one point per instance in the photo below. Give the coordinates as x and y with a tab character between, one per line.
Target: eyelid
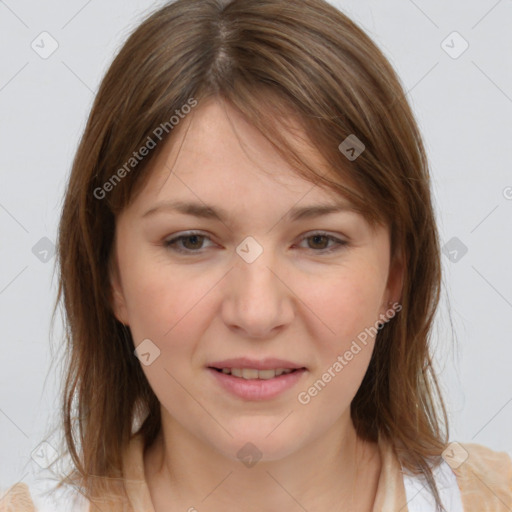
168	242
339	243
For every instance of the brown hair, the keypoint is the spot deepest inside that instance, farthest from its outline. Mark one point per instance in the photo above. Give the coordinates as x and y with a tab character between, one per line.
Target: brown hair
272	60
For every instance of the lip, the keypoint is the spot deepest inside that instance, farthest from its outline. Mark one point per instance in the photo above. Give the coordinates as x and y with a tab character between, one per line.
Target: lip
256	389
268	363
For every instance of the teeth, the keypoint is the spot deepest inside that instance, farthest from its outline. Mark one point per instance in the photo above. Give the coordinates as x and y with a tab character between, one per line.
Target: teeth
253	373
249	373
266	374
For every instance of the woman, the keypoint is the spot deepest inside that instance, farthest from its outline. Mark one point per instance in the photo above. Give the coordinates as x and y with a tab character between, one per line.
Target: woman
250	270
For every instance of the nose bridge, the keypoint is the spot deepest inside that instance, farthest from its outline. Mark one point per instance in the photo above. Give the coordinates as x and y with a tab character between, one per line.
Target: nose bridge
254	279
257	300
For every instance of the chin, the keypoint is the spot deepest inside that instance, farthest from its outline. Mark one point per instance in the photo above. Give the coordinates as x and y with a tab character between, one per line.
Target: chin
256	445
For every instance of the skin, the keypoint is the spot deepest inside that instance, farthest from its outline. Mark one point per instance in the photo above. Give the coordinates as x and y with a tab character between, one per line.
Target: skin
293	302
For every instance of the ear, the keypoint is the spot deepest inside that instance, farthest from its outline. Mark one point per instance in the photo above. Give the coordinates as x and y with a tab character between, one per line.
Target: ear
117	299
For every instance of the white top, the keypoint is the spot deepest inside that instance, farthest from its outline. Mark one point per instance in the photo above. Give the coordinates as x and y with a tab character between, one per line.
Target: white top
417	492
64	500
419	497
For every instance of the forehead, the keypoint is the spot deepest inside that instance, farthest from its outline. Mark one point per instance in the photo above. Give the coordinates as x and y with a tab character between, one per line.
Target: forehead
216	153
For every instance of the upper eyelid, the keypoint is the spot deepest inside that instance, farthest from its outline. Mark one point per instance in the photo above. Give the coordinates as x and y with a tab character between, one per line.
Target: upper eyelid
186	234
333	237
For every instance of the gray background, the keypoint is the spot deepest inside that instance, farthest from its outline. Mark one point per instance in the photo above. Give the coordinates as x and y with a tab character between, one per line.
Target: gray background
463	104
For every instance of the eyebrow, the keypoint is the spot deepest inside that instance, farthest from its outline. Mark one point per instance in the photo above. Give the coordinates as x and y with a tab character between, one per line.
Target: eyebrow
205	211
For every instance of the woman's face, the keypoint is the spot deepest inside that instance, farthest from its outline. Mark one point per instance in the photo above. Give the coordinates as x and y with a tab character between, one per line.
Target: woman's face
260	283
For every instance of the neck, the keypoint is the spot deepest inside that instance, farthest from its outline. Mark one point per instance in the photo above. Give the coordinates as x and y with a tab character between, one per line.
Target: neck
336	472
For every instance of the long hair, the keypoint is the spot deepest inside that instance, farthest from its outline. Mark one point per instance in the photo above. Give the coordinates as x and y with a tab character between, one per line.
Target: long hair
273	60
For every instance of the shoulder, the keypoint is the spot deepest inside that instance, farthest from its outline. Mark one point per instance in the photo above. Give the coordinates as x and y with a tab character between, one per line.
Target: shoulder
484	476
16	499
41	496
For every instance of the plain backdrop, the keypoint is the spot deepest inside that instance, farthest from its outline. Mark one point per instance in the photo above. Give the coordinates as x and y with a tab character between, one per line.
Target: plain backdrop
460	87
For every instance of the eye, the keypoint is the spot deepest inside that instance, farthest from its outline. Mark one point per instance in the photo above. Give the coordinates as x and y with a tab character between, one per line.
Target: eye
320	239
192	242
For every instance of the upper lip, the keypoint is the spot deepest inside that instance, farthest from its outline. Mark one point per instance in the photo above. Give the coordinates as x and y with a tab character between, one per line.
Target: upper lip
269	363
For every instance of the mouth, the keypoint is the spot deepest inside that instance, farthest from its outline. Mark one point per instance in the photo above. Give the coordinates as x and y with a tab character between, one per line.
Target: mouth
255	374
256	384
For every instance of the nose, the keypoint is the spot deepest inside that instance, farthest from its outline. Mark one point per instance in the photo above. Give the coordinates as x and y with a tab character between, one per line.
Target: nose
258	301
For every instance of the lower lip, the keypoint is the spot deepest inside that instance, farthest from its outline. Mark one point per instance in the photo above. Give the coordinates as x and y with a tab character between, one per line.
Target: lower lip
257	389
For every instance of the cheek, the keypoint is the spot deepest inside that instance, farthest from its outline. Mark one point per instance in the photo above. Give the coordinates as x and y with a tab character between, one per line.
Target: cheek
150	287
344	344
165	307
346	303
167	304
149	303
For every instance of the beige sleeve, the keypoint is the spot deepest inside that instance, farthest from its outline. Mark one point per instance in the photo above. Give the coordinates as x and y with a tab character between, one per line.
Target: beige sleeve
485	479
17	499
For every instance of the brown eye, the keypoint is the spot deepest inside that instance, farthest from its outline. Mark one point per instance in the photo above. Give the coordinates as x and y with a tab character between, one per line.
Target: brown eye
195	241
318	242
191	243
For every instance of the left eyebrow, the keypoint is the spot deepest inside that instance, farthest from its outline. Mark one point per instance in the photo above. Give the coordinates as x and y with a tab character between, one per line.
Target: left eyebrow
317	210
212	212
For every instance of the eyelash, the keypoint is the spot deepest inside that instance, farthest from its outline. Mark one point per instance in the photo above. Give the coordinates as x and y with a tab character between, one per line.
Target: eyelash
339	244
